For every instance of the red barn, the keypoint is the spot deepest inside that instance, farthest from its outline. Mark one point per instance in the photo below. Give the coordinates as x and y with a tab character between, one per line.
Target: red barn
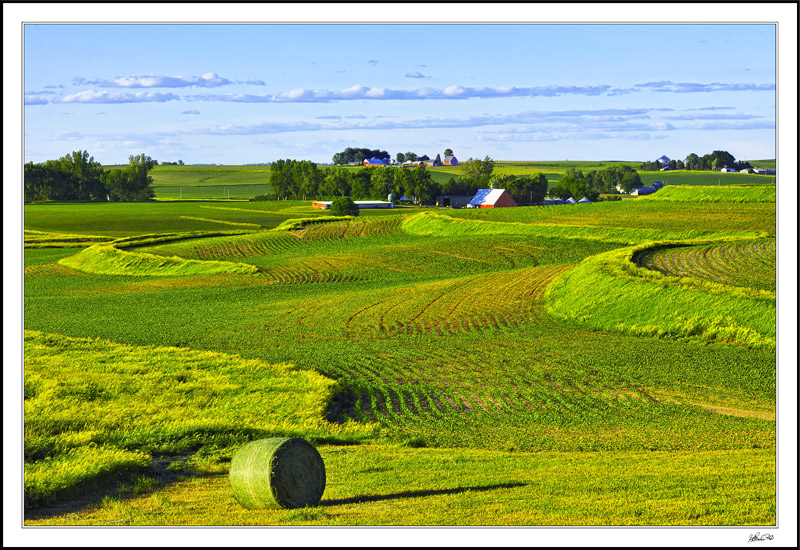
492	198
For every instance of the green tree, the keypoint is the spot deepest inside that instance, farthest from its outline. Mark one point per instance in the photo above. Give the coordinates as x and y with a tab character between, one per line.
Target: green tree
422	185
448	152
344	206
401	182
630	181
401	158
382	183
88	175
561	192
337	182
132	183
360	183
48	182
476	172
692	161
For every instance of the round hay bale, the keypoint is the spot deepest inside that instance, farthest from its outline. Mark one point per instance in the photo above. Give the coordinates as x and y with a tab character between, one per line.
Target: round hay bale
285	471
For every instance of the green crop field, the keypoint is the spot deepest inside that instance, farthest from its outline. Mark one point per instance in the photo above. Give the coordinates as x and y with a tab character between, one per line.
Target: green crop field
602	364
691	177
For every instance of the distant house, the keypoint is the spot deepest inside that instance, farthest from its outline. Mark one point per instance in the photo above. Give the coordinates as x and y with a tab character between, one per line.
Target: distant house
492	198
450	160
746	171
453	201
643	191
584	200
726	169
374	162
663	159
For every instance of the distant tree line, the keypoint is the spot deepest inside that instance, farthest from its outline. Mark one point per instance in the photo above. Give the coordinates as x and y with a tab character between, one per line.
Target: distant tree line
292	179
716	160
359	155
578	184
78	177
179	163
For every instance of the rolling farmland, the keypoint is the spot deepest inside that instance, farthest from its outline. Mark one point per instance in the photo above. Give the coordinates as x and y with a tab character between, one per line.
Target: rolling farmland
565	336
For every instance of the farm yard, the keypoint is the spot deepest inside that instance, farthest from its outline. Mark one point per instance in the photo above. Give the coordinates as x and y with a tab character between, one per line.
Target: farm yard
603	364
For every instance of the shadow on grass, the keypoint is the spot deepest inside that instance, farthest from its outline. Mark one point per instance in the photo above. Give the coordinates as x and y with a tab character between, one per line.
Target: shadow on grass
421	493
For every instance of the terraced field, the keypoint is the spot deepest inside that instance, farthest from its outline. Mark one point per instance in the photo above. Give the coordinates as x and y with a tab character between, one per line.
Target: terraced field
746	264
472	330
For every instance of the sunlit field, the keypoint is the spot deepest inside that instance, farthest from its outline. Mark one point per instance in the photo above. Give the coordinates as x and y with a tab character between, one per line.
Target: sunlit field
602	364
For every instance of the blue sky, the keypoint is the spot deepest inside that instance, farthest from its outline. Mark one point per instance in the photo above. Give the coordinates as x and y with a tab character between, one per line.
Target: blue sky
234	94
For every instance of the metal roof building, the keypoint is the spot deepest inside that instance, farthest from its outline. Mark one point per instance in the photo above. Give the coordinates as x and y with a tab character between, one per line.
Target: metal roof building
643	191
584	200
492	198
571	200
374	162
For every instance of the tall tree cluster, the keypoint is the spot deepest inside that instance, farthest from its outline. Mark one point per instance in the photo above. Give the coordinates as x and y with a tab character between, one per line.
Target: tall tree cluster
578	184
716	160
78	177
359	155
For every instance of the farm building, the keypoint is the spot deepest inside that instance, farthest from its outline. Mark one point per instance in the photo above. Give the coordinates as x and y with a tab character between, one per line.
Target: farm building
658	185
726	169
666	169
643	191
764	171
746	171
663	159
571	200
584	200
491	198
374	162
453	201
450	161
326	205
553	201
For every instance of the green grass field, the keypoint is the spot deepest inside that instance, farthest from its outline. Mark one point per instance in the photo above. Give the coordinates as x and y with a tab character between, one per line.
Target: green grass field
602	364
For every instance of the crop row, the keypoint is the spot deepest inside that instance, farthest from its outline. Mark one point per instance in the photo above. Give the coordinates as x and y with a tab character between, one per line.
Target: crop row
245	247
448	384
467	304
352	228
303	273
50	270
749	264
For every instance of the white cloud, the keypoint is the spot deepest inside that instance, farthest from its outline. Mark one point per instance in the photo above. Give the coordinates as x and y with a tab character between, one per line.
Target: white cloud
415	74
104	96
208	80
693	87
379	93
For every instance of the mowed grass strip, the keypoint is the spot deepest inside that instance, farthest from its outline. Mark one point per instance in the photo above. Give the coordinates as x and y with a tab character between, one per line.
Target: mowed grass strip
393	485
705	193
95	408
609	291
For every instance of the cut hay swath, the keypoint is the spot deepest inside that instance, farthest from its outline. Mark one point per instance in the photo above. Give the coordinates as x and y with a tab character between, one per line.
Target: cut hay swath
287	472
